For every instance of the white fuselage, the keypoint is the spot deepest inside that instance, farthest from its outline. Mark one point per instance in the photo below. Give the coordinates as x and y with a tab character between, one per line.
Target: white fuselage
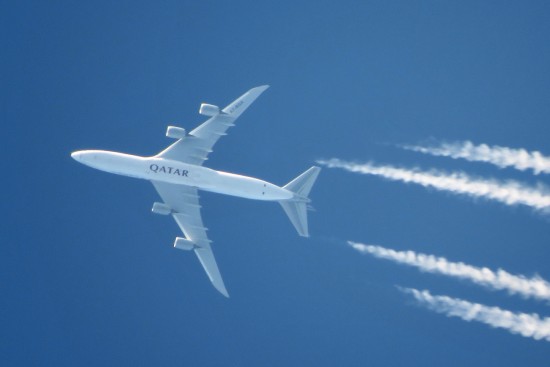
174	172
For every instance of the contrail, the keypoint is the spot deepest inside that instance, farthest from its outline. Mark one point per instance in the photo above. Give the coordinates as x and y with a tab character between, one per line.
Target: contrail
535	287
502	157
509	193
527	325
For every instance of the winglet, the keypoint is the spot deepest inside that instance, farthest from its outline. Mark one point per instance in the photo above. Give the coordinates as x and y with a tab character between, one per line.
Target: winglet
238	106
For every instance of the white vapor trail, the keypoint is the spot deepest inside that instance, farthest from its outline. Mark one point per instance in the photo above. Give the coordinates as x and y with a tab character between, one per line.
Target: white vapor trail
520	159
527	325
535	287
509	193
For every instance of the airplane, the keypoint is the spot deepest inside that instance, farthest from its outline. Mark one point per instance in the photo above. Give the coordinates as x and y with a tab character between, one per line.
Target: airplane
177	173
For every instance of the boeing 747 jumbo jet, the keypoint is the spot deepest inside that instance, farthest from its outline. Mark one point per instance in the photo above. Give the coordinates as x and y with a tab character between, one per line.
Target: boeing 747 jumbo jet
177	174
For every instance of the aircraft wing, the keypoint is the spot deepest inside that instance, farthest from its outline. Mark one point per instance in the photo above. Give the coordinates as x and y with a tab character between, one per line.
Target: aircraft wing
184	202
195	147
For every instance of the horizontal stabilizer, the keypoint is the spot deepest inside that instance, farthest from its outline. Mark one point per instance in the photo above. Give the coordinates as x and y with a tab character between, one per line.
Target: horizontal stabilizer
297	213
302	184
297	207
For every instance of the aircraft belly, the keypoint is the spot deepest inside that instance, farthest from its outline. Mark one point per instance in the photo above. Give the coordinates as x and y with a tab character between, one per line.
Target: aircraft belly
245	187
174	172
180	173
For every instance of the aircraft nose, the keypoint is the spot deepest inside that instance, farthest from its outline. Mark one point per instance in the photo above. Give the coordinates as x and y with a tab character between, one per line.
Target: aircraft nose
76	156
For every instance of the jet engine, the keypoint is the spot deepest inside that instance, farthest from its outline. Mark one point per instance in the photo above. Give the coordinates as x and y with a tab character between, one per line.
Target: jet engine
183	244
161	208
175	132
209	110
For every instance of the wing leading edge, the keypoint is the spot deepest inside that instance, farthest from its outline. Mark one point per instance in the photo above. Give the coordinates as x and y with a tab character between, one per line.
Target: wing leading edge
185	207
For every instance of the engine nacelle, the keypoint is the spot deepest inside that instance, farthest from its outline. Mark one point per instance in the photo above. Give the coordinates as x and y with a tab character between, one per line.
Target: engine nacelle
183	244
209	110
175	132
161	208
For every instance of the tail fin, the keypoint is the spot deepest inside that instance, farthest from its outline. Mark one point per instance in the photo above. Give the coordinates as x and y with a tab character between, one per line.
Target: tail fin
296	208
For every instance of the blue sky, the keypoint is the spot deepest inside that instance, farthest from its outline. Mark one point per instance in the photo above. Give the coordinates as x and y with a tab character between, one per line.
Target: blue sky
88	276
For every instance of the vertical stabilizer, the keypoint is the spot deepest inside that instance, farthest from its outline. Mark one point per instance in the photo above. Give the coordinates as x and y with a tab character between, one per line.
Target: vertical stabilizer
296	208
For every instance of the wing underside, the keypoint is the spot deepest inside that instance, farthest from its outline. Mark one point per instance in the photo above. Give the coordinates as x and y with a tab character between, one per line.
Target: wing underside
195	147
184	200
184	204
